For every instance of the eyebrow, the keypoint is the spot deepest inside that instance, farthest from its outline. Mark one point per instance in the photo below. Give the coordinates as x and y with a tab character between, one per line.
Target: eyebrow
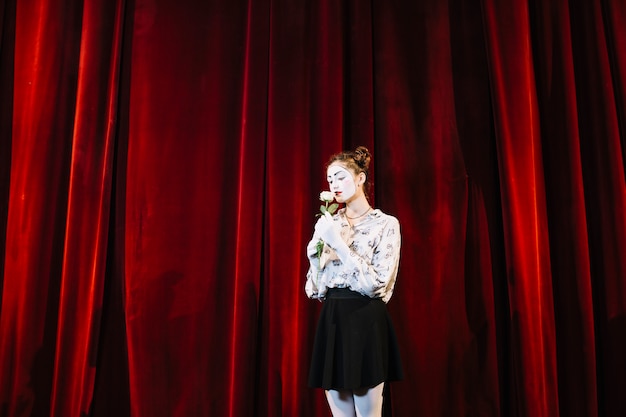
334	175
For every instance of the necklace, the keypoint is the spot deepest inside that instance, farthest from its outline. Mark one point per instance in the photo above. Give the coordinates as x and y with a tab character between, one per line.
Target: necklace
358	217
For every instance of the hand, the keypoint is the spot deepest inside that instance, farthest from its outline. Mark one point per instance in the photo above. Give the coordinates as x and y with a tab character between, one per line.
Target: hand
329	231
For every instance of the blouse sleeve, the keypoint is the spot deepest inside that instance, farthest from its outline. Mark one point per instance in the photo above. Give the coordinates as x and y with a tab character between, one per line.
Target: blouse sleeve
311	286
377	278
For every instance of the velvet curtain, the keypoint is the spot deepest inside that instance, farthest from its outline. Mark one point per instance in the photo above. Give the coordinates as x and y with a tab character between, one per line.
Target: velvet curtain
160	163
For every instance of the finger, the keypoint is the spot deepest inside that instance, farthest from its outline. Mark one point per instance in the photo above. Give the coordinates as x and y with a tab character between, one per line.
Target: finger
322	224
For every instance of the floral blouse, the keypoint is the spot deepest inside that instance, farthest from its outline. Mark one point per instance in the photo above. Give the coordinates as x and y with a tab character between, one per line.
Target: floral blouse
375	254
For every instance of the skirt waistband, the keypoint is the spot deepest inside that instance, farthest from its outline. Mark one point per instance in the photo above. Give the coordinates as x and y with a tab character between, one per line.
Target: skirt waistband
343	293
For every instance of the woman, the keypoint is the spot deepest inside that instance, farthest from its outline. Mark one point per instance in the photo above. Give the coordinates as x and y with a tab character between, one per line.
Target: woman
355	350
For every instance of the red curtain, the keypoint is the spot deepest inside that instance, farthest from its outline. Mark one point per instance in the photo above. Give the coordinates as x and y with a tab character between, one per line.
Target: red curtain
160	163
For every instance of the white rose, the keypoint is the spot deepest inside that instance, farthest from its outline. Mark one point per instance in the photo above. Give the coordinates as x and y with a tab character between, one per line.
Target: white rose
327	196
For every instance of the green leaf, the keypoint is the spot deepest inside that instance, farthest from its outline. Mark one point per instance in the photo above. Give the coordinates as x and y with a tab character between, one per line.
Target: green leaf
319	247
323	209
333	208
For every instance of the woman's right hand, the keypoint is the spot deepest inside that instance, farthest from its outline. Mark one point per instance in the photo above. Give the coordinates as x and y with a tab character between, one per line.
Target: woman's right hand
329	231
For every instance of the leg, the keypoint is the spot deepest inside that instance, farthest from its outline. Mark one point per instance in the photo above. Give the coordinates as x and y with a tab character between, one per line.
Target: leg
341	403
369	402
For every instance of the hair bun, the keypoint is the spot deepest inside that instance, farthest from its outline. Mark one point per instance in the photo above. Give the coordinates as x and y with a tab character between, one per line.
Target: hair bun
362	157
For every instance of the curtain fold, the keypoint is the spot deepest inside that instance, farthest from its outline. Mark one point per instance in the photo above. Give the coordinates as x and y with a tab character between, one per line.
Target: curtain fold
160	166
597	84
7	51
43	100
89	202
566	210
518	139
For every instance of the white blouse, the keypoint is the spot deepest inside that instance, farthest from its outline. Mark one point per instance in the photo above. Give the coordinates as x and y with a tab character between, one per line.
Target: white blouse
372	268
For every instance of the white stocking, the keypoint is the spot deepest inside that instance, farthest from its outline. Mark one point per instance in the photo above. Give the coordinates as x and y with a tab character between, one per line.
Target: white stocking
366	402
369	402
341	403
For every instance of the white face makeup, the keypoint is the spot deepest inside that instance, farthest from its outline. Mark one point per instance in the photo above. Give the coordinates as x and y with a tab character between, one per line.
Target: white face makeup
341	183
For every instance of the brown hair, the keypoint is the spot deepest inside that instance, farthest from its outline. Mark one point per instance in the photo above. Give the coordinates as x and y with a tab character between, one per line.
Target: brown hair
358	161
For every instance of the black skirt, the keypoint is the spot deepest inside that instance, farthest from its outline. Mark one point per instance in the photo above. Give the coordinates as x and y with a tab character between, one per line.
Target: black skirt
355	345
